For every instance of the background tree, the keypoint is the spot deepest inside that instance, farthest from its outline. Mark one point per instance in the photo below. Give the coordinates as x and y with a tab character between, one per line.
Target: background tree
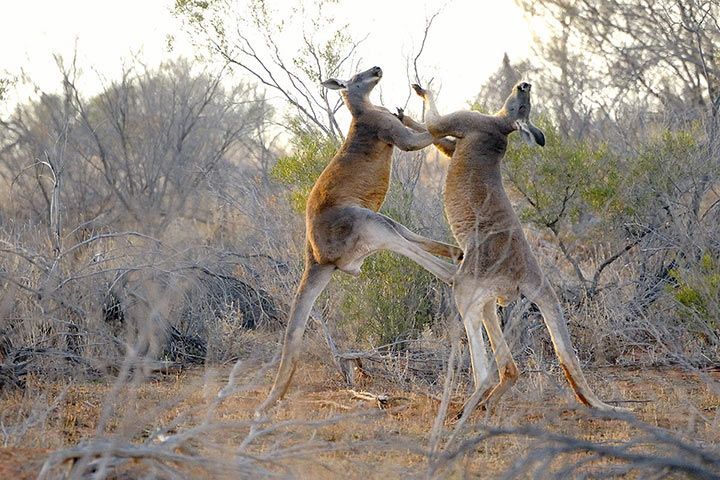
109	199
649	54
142	149
250	38
495	89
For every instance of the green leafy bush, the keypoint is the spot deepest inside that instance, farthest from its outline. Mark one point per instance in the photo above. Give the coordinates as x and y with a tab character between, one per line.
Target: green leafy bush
566	178
697	289
393	299
311	152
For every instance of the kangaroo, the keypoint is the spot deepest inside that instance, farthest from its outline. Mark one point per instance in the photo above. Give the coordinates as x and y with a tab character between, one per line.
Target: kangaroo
341	220
498	264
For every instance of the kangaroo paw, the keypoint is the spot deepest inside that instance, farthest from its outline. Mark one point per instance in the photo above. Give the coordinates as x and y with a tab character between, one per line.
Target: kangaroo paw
419	90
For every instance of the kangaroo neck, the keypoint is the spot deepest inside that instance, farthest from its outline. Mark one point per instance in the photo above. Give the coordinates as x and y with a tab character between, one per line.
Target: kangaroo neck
362	139
504	120
357	103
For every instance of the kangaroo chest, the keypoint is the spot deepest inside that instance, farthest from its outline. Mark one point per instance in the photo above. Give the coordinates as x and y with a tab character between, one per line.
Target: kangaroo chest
359	175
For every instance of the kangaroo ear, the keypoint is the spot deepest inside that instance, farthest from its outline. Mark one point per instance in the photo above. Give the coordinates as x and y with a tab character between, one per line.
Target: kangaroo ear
530	133
334	84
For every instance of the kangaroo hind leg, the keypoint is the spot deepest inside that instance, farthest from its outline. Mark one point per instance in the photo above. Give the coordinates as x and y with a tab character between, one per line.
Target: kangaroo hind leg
507	369
470	309
381	233
546	300
314	280
427	244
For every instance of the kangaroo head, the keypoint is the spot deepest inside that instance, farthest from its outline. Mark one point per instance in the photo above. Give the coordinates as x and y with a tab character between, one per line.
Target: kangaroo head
517	113
358	88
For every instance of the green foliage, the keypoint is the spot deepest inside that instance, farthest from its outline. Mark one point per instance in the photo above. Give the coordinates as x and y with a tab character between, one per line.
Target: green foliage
194	9
393	299
563	179
311	152
661	165
570	179
697	289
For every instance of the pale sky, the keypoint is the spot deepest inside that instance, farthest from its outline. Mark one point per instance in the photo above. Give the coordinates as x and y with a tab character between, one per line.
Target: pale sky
466	43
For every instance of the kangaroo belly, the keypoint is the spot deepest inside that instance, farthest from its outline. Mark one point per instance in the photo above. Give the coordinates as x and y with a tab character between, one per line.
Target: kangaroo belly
496	254
352	179
368	190
485	226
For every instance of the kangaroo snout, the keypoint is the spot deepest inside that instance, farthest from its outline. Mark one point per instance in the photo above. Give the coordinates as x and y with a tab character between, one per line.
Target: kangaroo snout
377	71
524	87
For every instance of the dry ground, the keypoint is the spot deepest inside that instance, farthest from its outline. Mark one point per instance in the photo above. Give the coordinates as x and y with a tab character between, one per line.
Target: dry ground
389	442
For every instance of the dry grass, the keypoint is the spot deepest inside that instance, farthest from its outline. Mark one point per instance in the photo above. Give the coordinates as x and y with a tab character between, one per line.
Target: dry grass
325	430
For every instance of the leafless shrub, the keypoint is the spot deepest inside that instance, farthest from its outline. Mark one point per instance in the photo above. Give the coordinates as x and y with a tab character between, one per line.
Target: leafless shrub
551	455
